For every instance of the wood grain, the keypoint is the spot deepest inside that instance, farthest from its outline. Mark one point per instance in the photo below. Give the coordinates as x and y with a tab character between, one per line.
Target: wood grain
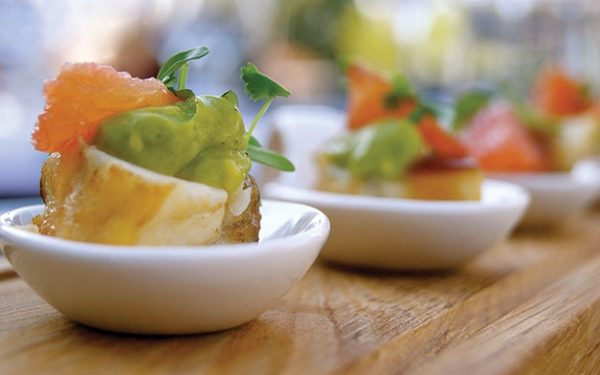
529	305
6	270
558	331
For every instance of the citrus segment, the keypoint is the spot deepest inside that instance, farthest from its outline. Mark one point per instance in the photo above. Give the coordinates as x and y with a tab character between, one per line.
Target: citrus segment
83	95
558	94
367	93
501	143
442	143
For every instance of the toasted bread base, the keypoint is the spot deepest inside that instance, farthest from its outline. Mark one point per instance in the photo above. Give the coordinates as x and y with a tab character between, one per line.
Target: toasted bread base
462	183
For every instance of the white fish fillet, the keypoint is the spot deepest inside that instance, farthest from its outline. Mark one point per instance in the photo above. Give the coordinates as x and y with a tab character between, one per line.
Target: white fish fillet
116	202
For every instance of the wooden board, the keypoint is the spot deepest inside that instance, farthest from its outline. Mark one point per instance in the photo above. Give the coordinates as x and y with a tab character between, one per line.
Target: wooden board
530	305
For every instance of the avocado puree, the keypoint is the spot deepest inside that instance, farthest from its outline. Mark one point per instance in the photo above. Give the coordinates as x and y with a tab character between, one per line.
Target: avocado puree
385	149
201	139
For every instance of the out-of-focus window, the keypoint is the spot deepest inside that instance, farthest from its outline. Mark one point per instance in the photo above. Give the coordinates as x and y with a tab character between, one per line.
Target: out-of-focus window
443	46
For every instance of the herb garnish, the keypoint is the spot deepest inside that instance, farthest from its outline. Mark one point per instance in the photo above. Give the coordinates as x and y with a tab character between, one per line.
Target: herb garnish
260	87
424	107
167	73
467	106
256	85
401	90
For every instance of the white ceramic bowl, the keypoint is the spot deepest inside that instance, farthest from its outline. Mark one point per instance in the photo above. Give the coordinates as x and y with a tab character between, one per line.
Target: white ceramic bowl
588	170
385	232
409	234
167	290
554	196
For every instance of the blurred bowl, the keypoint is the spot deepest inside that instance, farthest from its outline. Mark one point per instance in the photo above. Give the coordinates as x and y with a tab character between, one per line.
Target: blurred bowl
403	234
588	170
554	196
386	232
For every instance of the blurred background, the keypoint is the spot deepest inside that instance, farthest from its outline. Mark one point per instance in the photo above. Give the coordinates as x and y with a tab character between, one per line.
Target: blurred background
444	47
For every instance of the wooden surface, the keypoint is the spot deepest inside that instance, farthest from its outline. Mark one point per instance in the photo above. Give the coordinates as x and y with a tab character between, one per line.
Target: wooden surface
530	305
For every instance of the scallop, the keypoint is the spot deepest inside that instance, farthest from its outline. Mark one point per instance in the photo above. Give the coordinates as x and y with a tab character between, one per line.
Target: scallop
103	199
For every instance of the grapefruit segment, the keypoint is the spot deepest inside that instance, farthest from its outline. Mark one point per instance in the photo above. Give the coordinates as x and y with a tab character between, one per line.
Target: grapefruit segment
558	94
367	92
443	144
84	95
501	143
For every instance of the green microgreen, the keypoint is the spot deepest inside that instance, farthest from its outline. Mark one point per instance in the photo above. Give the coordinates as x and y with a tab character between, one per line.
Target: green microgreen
424	107
183	76
179	61
467	106
259	86
270	158
526	113
401	90
254	142
534	119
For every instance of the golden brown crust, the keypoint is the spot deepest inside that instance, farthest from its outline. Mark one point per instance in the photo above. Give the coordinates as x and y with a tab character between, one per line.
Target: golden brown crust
458	179
244	227
49	191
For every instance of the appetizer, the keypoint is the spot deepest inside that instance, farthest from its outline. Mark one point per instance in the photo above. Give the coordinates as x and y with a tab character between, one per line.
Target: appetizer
550	132
148	162
395	146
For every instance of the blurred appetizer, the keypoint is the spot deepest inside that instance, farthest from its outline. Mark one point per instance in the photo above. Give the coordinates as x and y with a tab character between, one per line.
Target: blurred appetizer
147	161
550	132
395	146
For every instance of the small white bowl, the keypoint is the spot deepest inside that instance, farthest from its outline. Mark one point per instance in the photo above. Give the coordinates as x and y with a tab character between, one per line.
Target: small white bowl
407	234
385	232
162	289
301	130
588	170
554	196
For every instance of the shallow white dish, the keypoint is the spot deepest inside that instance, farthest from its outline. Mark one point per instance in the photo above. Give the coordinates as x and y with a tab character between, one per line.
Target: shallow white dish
385	232
554	196
588	170
162	289
409	234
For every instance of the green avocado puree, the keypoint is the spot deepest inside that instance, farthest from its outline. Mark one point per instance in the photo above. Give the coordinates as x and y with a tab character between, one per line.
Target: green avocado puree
385	149
201	139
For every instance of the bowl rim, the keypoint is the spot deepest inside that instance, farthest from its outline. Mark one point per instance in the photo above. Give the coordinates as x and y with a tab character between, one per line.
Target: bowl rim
546	181
9	234
519	198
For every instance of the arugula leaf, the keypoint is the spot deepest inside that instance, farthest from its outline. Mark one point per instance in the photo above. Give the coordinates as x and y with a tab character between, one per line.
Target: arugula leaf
179	60
260	87
467	106
270	158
